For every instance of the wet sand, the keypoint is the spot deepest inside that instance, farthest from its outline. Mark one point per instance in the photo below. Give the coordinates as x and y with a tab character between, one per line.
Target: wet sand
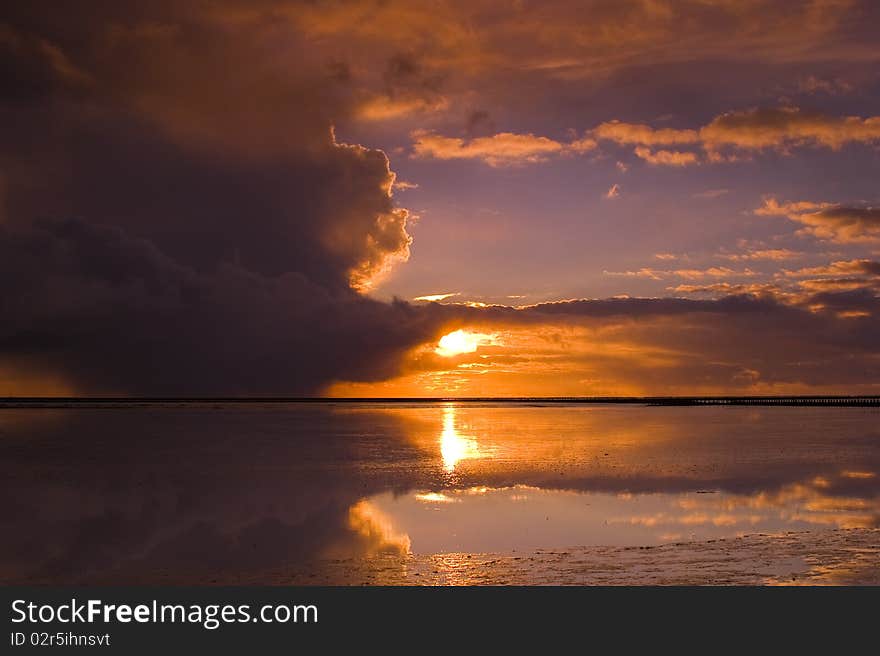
838	557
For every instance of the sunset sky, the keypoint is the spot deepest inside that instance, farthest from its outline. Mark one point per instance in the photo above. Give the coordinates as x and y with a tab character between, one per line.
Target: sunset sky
585	198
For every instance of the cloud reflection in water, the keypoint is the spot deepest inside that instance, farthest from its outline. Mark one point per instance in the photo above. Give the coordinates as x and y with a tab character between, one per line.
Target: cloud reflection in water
214	493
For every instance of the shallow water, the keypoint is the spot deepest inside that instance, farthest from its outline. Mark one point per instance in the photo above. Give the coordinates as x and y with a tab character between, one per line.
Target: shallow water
358	492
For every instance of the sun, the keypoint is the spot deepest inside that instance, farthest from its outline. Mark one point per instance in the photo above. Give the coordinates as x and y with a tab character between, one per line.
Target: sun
461	341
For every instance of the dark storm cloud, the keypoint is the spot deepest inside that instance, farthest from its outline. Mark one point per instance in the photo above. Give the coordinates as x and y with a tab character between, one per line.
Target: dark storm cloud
116	314
213	142
178	216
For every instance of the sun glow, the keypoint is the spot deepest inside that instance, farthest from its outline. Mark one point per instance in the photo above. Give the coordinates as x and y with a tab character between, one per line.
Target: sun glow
461	341
432	298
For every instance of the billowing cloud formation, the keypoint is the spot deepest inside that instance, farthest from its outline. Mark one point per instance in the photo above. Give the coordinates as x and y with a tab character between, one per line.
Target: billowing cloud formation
167	229
502	149
256	177
837	223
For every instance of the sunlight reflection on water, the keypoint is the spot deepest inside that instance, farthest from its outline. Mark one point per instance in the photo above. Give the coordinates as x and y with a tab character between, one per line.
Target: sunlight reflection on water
454	446
455	517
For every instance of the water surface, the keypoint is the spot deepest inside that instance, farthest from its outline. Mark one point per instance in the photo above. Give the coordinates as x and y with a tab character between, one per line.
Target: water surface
275	493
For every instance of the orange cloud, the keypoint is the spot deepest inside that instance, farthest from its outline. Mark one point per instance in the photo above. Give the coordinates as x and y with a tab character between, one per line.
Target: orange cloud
837	223
784	127
726	288
841	267
639	133
756	129
711	272
838	285
384	108
502	149
772	207
666	157
644	272
775	254
403	185
840	276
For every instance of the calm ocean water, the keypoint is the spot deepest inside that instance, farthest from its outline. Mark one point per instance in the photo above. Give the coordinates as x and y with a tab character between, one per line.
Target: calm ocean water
214	493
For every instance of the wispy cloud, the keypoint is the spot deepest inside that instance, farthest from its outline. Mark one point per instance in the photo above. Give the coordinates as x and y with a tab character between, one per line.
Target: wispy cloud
732	136
775	254
502	149
831	86
690	274
666	157
613	192
711	193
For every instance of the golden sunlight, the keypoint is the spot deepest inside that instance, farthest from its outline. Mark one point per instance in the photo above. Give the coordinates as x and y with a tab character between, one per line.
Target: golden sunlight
461	341
453	445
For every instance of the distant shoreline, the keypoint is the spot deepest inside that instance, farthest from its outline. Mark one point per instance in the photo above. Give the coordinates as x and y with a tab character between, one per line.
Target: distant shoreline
807	401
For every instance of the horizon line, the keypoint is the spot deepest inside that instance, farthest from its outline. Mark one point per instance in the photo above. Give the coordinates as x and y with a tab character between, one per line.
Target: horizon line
781	399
